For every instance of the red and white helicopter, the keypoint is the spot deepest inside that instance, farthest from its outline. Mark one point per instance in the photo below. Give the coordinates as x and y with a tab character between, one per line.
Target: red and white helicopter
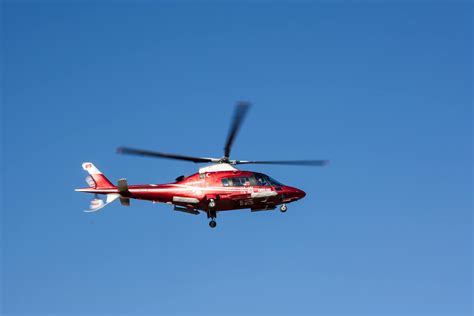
215	188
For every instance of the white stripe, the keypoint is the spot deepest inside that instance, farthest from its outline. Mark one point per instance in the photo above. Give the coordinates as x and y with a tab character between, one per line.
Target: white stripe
180	188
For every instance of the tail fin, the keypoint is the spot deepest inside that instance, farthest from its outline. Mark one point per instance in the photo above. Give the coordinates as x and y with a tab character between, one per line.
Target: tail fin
96	179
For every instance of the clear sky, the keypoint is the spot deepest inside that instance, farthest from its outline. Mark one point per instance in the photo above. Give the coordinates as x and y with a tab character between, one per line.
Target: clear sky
382	90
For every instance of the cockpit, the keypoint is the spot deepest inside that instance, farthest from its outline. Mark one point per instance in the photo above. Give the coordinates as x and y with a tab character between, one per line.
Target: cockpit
257	179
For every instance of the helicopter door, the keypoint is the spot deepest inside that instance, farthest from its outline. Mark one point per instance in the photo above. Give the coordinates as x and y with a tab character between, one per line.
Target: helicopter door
264	192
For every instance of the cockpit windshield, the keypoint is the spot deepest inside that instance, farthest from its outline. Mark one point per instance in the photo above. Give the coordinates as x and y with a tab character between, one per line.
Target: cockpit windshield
258	179
265	180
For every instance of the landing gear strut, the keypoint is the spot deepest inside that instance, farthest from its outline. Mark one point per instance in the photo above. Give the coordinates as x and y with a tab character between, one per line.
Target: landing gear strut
211	213
212	203
283	208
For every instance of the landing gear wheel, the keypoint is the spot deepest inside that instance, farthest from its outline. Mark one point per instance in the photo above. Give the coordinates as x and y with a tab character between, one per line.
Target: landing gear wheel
212	224
283	208
212	203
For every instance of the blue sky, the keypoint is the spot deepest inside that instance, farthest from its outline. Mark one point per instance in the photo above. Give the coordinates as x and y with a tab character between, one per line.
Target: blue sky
382	90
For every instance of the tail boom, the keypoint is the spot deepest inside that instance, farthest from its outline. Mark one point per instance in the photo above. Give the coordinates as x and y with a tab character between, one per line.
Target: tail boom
98	191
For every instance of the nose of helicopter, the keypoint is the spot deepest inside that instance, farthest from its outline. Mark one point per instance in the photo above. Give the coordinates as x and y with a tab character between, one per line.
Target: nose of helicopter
296	193
300	193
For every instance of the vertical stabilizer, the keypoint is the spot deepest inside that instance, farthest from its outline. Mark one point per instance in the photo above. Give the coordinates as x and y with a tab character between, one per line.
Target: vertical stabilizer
96	179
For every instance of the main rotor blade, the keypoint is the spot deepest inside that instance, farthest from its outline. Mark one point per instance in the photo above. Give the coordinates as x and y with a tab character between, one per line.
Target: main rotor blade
239	115
313	163
157	154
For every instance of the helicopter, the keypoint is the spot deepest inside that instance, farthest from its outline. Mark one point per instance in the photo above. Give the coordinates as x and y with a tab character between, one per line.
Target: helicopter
217	187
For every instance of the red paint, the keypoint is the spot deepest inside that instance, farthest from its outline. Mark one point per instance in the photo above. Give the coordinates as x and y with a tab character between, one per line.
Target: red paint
204	187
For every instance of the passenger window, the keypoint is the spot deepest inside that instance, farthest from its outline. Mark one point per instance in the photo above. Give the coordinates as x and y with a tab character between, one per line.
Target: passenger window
238	182
253	181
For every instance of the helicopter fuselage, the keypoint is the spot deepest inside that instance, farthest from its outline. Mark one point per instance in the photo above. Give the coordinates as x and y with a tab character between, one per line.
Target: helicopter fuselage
213	191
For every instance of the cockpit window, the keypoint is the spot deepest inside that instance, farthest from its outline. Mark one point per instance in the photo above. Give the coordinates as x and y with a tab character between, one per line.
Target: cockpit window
265	180
275	182
262	179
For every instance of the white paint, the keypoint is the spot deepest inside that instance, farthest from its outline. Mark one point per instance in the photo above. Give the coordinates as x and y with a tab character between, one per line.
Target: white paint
179	187
97	204
218	167
263	194
112	197
90	168
180	199
90	182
